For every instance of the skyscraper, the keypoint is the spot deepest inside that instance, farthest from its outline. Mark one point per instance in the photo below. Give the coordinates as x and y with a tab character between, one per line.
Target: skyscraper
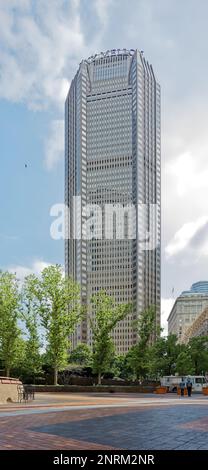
112	159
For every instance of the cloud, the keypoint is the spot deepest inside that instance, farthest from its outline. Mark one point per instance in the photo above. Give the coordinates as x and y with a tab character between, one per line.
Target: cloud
186	174
54	145
166	306
102	9
185	236
41	46
184	193
37	45
23	271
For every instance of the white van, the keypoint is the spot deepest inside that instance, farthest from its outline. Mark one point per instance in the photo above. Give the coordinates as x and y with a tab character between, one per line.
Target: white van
173	381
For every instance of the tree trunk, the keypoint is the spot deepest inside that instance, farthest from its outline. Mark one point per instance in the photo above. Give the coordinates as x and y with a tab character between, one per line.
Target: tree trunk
55	377
99	378
7	371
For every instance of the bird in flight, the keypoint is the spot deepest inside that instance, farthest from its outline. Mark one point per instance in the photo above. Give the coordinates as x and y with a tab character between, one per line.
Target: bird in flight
25	165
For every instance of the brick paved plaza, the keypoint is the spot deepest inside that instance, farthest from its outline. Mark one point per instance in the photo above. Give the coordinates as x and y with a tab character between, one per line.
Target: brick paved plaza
107	421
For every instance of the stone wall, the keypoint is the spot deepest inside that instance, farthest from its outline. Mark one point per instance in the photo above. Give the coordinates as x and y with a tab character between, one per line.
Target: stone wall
95	389
8	390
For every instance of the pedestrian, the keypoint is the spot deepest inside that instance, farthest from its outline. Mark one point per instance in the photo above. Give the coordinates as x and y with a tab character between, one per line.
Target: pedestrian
189	387
182	387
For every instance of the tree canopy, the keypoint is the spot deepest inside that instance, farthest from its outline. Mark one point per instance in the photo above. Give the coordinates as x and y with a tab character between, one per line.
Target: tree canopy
105	315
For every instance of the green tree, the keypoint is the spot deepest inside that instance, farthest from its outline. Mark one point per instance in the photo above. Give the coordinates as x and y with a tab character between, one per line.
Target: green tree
81	355
105	316
121	367
138	361
146	325
18	365
11	344
163	356
58	303
138	356
184	364
198	351
30	317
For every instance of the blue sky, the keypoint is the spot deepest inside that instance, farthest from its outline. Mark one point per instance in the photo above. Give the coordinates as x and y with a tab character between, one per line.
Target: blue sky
41	46
27	193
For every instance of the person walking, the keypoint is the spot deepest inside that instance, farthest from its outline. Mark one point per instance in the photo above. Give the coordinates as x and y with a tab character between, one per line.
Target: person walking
189	387
182	387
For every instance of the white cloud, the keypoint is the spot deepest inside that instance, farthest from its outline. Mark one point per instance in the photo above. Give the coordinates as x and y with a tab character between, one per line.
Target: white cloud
184	164
184	235
184	193
187	174
41	46
102	8
37	49
166	306
23	271
54	145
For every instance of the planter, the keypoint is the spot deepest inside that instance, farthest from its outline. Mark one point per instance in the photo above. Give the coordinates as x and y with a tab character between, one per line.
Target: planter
160	390
179	391
205	390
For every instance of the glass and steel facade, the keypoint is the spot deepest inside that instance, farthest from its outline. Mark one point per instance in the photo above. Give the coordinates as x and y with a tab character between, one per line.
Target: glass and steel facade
112	157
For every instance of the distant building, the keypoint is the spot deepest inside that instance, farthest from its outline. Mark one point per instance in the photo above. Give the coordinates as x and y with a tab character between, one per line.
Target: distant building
187	308
198	328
